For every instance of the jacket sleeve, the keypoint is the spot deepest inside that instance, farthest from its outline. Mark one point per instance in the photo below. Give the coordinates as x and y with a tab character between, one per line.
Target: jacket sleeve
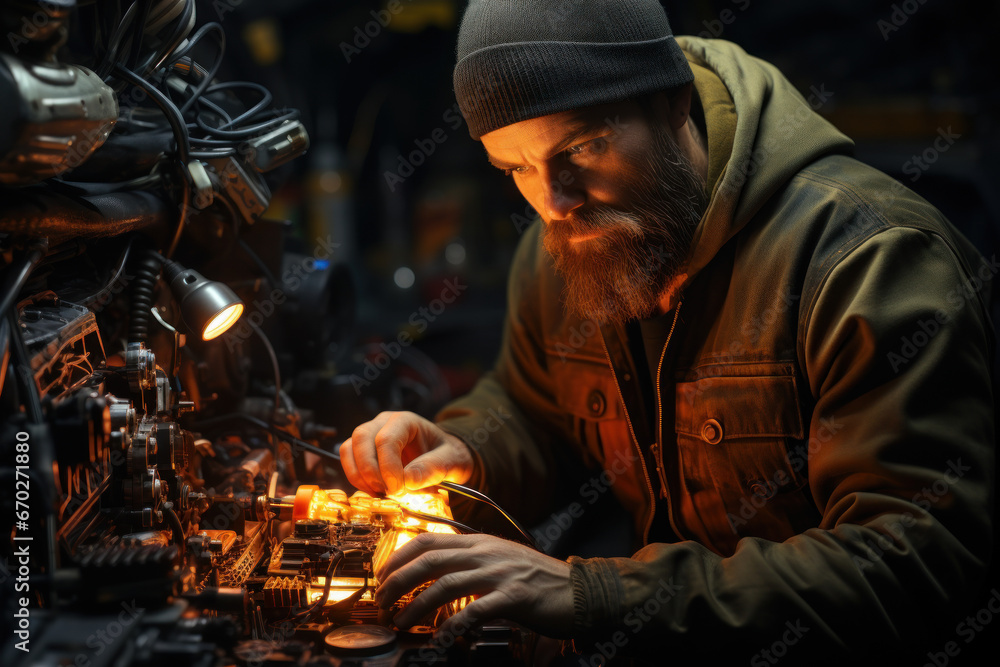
897	349
510	419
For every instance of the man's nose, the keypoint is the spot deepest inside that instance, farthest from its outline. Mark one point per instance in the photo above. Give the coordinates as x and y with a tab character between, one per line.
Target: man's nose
560	196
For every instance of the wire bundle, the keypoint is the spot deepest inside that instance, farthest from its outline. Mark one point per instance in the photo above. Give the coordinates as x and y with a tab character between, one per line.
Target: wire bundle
151	49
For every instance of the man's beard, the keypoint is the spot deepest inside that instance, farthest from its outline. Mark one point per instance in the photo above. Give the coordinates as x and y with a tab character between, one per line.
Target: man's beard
622	272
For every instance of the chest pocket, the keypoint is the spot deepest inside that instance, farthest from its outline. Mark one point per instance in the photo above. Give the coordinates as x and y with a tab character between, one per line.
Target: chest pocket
738	474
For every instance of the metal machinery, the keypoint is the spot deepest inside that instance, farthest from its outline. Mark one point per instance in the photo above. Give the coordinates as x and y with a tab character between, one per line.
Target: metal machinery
167	502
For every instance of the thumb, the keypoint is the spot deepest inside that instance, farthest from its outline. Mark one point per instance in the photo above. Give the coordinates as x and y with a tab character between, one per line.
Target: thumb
427	469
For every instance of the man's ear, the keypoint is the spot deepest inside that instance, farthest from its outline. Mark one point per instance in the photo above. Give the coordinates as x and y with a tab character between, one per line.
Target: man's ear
674	106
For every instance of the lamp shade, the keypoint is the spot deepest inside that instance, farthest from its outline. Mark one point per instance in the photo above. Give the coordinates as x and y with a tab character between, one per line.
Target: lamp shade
209	308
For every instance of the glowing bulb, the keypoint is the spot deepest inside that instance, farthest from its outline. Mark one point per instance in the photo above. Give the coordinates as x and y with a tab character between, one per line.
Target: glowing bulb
221	323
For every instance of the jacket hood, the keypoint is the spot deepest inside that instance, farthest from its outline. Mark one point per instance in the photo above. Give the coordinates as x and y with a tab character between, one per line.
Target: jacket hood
778	133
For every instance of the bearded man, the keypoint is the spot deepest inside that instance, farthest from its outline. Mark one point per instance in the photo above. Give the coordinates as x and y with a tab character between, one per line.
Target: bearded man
787	384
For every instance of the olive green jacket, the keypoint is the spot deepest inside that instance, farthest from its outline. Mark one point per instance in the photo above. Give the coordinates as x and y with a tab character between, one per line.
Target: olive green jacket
826	395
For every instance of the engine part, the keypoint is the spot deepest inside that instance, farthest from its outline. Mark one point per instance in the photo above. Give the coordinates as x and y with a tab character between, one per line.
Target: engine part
54	117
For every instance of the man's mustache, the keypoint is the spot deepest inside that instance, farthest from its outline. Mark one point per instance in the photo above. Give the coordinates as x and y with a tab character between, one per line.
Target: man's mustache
595	219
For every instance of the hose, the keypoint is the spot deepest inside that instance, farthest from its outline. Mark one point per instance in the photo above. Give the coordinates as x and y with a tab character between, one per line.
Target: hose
147	273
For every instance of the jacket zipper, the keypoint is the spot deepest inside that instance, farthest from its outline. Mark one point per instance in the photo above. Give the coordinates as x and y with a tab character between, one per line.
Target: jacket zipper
657	446
635	441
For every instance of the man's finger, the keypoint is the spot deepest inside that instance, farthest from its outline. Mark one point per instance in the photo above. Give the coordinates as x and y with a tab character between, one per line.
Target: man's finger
481	610
365	457
427	469
348	464
423	543
391	439
448	587
428	567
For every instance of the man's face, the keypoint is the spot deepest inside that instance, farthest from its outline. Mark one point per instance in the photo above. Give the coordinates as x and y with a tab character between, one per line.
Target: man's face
619	199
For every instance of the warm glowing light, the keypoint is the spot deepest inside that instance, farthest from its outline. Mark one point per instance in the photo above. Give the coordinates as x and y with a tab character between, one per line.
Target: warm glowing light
399	527
312	502
220	323
341	588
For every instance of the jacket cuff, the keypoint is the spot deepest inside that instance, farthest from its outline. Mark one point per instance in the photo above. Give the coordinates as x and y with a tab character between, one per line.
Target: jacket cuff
597	595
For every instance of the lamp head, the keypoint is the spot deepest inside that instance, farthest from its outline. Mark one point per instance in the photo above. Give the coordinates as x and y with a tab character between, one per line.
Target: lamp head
209	308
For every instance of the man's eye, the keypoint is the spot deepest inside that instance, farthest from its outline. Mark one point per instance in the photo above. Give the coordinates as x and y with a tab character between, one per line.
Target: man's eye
514	170
592	147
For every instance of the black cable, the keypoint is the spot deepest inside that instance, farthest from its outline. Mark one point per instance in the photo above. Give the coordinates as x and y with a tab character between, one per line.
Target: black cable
259	423
182	216
183	213
19	275
210	74
114	279
265	99
108	60
328	579
214	108
171	112
139	32
156	61
194	39
22	372
430	518
175	523
474	494
211	155
260	263
251	130
274	368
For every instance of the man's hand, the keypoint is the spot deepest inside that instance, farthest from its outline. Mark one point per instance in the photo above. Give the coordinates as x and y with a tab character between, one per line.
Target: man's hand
513	581
375	455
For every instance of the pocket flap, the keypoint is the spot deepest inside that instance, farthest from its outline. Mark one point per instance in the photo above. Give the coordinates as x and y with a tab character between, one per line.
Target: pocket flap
587	390
714	408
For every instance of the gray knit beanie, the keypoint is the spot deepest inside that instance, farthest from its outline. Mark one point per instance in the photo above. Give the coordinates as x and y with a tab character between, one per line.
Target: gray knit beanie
521	59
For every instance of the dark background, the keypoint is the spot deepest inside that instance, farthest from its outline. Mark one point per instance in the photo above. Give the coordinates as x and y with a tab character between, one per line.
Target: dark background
901	73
